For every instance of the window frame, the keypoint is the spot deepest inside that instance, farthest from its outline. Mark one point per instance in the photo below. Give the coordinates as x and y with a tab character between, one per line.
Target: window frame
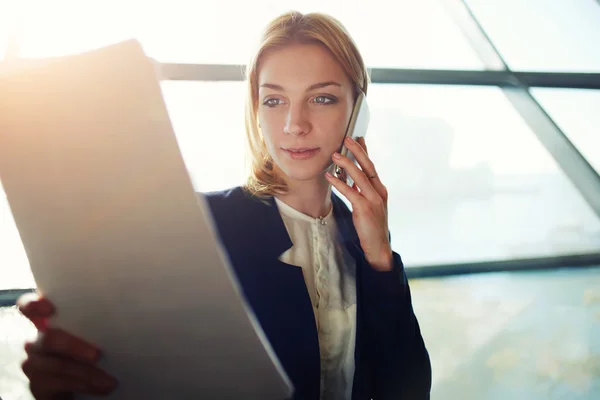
514	84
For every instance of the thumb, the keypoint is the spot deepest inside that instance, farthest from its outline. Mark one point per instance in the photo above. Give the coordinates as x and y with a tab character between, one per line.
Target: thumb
36	308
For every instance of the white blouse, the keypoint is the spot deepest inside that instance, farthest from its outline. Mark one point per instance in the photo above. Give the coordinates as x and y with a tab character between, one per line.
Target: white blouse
330	276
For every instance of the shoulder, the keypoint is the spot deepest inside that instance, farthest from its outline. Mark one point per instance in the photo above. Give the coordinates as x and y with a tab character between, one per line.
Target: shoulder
223	197
231	199
235	208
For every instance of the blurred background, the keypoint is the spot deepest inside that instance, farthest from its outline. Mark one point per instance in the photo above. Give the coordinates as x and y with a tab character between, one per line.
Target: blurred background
485	127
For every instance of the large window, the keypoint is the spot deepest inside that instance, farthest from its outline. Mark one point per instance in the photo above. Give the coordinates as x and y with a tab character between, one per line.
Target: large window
488	168
414	34
470	181
463	168
577	112
544	35
14	266
465	172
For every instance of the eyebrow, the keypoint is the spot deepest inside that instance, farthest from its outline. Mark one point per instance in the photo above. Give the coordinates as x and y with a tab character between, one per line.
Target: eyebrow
319	85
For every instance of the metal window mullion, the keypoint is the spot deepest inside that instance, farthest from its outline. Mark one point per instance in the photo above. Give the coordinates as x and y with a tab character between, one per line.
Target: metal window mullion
574	80
9	297
500	78
528	264
576	167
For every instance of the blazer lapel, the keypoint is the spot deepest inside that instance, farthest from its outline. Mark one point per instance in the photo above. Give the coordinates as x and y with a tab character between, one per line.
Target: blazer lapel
275	290
255	236
349	237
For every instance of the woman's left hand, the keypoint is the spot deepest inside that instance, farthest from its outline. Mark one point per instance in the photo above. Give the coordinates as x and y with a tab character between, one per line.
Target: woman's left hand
369	199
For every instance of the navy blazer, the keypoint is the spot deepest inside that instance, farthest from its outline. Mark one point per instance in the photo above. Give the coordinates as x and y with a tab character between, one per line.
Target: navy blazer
391	361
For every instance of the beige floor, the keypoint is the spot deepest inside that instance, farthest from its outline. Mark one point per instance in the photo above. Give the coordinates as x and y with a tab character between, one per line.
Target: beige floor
528	335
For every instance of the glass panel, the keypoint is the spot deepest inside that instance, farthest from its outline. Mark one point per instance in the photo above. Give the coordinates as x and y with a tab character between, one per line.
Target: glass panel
412	34
208	119
520	336
8	18
14	265
469	181
16	330
577	113
547	35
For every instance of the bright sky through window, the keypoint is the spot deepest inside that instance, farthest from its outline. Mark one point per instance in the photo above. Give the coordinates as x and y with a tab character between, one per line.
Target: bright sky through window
490	169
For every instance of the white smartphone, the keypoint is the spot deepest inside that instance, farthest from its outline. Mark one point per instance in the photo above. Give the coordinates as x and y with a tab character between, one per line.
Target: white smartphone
357	127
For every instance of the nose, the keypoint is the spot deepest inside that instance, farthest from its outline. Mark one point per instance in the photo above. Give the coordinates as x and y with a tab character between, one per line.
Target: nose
296	122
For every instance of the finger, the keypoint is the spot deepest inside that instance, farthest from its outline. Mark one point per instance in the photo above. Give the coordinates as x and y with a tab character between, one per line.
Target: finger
363	144
83	378
33	305
358	176
56	386
361	156
352	195
60	343
51	386
35	308
368	167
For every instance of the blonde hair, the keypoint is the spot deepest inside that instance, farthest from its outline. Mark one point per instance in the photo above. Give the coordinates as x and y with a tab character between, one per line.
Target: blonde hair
293	28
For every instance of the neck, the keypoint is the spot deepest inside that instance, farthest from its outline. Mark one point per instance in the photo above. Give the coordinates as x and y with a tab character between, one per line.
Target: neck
312	197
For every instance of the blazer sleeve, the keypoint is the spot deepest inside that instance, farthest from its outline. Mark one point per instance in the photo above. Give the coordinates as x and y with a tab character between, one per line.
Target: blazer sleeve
400	363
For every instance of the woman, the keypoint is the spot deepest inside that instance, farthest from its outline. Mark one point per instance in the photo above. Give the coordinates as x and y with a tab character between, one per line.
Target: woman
329	292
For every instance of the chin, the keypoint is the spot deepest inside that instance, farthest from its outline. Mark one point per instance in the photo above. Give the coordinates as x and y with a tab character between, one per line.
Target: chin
303	173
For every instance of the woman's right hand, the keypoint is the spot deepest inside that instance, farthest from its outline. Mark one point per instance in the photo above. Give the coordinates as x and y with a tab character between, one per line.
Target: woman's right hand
59	364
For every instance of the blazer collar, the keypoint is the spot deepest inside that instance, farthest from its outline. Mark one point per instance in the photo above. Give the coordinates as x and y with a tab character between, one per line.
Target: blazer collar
284	281
267	214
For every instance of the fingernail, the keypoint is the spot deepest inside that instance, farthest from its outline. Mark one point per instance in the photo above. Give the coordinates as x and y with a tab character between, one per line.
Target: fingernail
336	155
350	140
328	174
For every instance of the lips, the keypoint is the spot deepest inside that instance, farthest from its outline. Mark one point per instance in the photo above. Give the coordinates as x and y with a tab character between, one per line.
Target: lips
301	153
301	149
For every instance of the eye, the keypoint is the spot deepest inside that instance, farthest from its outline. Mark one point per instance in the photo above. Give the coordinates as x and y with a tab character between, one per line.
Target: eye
324	100
272	102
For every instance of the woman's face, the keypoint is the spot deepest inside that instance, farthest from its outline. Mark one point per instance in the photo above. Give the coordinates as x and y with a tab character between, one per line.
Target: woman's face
304	104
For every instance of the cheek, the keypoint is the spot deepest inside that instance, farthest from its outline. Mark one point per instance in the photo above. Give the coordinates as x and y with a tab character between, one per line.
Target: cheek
333	127
271	127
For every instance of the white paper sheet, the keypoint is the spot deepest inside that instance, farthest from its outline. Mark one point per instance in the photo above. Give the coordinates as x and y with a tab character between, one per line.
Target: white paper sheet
115	235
